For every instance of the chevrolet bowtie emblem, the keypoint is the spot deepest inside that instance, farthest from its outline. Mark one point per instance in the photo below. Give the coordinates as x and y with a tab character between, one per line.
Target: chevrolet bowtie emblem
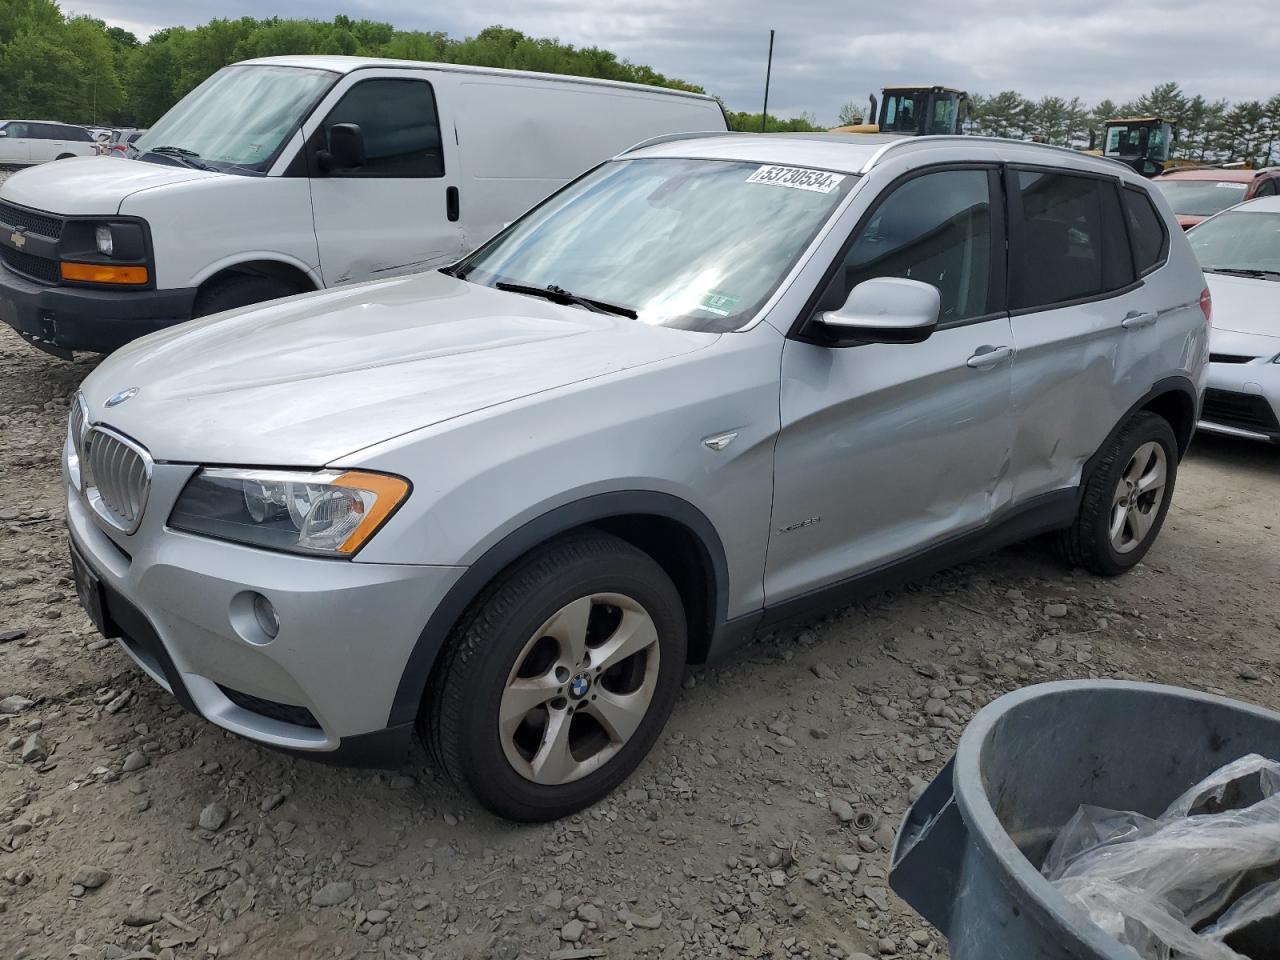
19	240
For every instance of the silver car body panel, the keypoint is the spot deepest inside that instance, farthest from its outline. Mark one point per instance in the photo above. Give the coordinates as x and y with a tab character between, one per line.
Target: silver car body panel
1246	324
503	409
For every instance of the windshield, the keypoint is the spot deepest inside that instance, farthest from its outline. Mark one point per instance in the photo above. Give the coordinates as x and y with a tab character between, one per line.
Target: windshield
695	244
237	120
1242	241
1202	198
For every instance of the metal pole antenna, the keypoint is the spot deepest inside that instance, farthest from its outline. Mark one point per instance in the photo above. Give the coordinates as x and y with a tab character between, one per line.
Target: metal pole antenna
768	71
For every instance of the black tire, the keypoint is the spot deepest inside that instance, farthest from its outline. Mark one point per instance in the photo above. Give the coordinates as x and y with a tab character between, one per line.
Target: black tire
460	721
240	290
64	156
1087	542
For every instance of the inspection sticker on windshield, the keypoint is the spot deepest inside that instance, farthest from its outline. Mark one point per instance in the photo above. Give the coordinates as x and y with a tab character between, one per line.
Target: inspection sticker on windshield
798	178
721	304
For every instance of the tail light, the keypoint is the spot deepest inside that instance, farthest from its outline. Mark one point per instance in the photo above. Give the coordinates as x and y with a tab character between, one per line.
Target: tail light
1206	306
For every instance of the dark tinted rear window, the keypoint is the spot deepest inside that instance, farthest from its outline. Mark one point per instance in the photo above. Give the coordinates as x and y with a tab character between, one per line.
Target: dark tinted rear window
1146	230
1074	244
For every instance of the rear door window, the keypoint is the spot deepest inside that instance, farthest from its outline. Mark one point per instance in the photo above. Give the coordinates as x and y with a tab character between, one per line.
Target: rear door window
1147	232
400	126
1068	240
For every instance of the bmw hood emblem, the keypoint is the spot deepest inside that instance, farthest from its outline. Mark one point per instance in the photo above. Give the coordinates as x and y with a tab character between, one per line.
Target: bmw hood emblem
118	398
579	686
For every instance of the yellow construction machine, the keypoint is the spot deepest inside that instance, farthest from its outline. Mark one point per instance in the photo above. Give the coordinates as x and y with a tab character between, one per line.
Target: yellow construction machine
916	111
1143	143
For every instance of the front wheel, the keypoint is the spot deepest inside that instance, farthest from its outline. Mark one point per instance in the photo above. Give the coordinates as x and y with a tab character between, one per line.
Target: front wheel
1126	498
239	290
558	680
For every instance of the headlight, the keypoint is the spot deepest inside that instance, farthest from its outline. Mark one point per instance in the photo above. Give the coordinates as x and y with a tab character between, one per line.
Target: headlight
327	512
102	237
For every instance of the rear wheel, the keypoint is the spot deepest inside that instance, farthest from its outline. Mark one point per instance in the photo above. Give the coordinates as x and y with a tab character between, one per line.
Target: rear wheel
239	290
1125	498
559	679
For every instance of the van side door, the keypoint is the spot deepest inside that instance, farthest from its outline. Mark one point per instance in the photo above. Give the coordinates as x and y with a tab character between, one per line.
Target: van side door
887	450
397	212
15	147
47	142
1084	322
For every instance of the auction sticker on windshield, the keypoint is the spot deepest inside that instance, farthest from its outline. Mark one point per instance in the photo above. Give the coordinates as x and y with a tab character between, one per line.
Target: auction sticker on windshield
798	178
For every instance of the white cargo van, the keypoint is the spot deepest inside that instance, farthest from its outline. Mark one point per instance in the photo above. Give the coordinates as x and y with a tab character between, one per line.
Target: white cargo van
289	174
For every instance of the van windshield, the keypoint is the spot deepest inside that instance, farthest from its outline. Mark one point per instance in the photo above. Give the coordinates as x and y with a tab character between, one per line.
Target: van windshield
237	120
695	244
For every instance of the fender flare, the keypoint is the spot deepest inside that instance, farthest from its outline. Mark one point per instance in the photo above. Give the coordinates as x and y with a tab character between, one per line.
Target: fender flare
1177	384
534	533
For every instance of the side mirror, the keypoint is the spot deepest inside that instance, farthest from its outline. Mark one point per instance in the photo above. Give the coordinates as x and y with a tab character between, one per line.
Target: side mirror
885	310
345	148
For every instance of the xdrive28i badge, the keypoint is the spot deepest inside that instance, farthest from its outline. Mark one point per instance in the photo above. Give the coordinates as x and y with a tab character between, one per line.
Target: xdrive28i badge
118	398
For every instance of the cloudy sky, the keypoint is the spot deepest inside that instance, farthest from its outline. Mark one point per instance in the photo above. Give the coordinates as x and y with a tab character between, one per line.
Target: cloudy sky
829	52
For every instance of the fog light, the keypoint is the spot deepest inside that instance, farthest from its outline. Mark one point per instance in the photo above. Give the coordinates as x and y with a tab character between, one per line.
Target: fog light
265	613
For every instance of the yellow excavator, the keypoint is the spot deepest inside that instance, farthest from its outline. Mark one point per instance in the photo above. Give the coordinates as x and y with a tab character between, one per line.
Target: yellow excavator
916	111
1143	143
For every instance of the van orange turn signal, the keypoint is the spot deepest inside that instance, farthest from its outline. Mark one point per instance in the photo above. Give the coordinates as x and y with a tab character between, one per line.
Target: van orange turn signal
104	273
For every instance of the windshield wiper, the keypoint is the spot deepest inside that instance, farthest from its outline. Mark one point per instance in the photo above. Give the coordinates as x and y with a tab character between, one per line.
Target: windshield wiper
560	295
188	157
1246	272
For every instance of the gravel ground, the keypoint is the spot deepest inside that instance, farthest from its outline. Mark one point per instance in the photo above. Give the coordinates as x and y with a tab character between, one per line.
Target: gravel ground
130	829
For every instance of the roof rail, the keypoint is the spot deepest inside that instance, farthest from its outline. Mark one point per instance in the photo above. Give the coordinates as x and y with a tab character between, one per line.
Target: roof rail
669	137
971	138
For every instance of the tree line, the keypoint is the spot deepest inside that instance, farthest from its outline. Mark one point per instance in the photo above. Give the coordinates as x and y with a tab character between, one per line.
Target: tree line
1208	131
80	70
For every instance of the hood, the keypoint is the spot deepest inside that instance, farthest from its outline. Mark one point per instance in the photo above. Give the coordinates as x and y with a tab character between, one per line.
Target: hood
304	381
91	186
1244	310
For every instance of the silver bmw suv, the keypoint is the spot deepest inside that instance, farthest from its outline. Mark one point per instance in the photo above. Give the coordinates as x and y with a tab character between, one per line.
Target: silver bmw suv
713	384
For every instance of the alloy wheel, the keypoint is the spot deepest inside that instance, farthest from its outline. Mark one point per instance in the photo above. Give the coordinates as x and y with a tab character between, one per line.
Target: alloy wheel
1138	497
579	689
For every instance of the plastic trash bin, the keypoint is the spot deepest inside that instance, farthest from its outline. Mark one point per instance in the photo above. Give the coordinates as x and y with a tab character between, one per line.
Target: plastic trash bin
968	853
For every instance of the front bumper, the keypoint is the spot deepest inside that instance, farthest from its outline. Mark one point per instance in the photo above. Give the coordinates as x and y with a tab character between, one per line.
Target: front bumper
59	320
1243	400
324	686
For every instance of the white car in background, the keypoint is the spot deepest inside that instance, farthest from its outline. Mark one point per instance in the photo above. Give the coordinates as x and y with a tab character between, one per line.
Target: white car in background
27	142
1239	250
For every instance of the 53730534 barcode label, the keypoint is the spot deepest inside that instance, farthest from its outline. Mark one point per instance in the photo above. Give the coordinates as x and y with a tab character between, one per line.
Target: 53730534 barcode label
797	178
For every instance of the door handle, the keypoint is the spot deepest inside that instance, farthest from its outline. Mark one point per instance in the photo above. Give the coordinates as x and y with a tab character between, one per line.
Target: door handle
1134	320
985	357
451	202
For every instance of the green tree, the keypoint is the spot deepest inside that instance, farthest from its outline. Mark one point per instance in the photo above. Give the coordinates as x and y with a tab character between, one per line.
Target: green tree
1007	114
850	114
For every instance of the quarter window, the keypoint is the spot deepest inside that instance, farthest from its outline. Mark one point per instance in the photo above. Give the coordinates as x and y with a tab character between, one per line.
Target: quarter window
1147	231
1073	244
935	228
400	126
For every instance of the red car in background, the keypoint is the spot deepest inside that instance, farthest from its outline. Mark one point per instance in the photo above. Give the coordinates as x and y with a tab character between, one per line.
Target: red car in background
1198	193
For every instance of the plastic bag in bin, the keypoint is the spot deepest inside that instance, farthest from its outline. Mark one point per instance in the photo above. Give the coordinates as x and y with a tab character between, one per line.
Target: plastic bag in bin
1199	882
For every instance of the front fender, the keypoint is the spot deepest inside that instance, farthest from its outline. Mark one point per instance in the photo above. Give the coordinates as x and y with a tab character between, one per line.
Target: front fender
532	534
